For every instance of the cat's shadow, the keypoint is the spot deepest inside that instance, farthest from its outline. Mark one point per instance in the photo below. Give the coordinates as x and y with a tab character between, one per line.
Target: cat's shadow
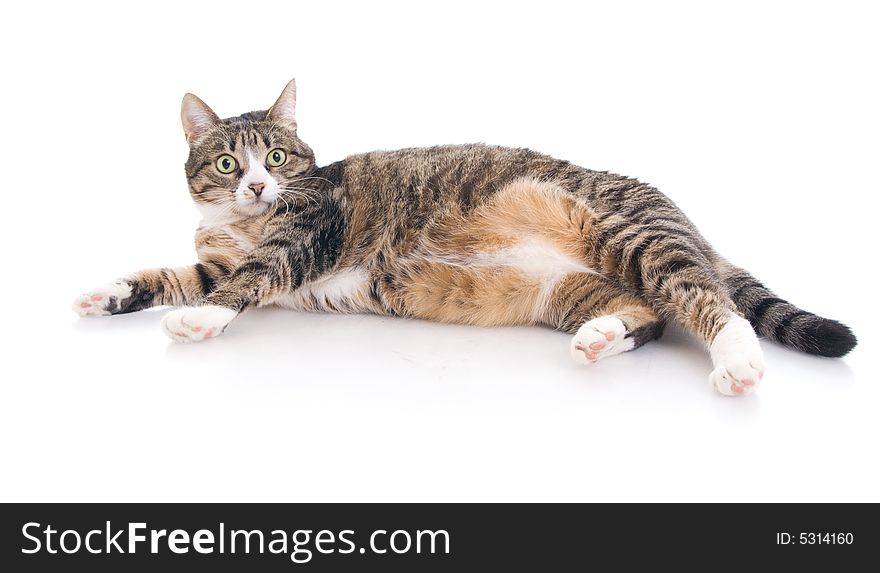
271	340
282	339
143	320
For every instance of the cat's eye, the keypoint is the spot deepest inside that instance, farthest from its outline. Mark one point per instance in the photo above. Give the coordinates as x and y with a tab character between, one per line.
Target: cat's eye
226	164
276	158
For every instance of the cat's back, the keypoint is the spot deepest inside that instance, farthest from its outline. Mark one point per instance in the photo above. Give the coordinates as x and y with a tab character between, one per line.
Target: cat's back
467	167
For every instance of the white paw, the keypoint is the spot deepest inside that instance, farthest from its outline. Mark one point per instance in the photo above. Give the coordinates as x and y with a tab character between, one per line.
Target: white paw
738	359
196	323
101	301
600	338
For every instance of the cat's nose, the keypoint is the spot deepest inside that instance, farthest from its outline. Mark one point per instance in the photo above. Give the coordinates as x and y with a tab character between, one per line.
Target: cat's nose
257	188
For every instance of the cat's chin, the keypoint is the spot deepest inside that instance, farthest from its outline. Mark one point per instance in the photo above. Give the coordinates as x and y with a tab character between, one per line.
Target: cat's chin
252	209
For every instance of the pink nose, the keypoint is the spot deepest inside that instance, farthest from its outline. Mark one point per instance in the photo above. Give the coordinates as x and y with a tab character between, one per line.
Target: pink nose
257	188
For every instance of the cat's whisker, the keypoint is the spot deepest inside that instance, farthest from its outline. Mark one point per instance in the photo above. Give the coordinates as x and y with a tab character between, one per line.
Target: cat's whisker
223	209
295	193
298	191
286	204
313	177
303	190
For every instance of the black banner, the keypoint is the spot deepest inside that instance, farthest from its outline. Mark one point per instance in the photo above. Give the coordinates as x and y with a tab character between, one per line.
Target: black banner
425	537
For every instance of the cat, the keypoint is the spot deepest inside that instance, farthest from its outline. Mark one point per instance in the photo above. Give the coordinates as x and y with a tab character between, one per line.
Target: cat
470	234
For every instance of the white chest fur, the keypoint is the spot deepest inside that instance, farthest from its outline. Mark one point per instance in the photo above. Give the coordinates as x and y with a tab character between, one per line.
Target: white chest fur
343	291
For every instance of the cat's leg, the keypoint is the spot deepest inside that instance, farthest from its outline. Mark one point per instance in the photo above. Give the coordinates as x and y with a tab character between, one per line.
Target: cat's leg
604	319
149	288
696	299
667	265
259	279
297	248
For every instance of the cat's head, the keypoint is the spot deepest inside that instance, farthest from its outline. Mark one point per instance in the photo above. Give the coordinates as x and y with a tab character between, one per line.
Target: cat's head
242	165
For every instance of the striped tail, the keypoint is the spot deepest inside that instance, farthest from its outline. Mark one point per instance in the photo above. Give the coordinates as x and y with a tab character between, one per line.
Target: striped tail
783	322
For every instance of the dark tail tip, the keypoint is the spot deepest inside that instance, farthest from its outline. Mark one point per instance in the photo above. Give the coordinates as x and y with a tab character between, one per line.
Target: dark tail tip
826	337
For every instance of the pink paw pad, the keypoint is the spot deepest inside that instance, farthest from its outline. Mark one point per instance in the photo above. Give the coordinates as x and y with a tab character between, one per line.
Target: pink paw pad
597	345
609	336
97	297
85	305
196	329
211	332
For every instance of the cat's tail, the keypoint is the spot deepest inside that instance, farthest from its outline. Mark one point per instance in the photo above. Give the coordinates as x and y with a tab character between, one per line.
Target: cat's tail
783	322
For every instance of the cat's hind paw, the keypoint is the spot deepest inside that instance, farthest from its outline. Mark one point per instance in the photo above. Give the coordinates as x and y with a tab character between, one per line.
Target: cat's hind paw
736	379
737	357
599	338
102	301
197	323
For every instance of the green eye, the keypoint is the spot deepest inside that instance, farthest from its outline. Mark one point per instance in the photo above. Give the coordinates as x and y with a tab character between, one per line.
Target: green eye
226	164
276	158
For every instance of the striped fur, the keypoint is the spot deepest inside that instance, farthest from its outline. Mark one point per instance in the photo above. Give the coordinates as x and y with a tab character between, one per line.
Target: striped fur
470	234
780	321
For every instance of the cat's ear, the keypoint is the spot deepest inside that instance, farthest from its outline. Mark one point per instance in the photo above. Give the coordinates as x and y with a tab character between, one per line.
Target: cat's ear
284	109
196	116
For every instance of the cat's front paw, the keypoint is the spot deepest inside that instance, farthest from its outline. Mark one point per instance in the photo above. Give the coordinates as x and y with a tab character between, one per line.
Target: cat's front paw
197	323
599	338
102	301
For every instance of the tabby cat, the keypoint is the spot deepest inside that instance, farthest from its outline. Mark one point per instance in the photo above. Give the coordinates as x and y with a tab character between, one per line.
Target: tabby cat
470	234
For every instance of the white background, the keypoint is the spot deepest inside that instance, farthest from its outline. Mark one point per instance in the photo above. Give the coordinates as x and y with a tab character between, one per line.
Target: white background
759	119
